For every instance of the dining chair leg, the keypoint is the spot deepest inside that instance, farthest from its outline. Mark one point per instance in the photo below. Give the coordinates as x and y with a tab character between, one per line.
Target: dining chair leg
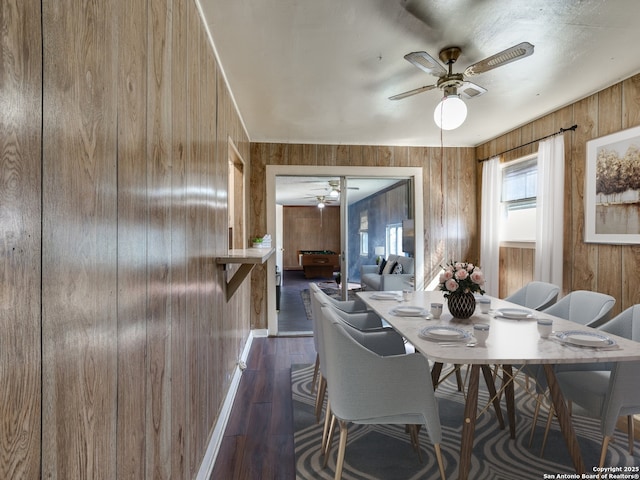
332	426
631	434
316	369
415	440
325	430
341	448
322	390
603	453
439	458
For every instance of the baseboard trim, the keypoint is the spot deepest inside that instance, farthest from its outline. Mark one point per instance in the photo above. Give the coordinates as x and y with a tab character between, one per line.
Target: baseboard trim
209	460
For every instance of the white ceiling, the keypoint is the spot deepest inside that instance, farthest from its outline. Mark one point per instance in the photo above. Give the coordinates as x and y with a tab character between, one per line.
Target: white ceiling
321	71
307	191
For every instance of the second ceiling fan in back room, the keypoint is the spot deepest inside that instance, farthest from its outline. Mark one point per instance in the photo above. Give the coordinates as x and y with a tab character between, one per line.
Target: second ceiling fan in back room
451	112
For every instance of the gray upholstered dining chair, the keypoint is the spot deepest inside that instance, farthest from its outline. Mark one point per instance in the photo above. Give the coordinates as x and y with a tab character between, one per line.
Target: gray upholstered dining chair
351	306
580	306
535	295
366	388
365	327
605	391
583	306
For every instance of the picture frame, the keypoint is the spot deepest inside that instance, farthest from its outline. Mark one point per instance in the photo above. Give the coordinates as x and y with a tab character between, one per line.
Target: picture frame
612	188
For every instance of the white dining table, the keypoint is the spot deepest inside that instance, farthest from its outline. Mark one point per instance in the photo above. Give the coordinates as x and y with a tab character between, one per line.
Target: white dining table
510	342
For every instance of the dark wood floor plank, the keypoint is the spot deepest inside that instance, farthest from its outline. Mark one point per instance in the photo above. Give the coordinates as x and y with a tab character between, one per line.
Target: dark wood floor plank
258	441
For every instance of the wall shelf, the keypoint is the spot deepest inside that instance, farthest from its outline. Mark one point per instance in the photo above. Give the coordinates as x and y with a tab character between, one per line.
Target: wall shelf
247	258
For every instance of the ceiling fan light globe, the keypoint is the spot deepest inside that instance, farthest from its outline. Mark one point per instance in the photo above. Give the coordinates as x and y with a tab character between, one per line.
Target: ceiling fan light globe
450	113
334	193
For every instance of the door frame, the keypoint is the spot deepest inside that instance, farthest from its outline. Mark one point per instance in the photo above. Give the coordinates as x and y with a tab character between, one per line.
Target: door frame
273	171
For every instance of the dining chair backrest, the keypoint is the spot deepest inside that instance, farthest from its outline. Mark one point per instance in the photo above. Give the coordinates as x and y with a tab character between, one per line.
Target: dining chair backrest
366	328
584	307
604	394
535	295
351	306
369	388
626	324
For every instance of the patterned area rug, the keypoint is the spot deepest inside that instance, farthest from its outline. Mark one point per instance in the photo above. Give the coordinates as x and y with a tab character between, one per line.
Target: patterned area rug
384	452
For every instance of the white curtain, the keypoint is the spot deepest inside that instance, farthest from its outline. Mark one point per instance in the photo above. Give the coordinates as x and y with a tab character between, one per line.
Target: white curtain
490	225
550	211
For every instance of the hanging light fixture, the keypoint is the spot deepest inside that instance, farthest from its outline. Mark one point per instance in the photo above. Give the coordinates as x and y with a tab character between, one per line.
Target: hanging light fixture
451	112
321	203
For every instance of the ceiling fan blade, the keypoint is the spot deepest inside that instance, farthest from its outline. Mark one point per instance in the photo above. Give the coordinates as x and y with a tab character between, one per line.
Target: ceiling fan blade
509	55
415	91
471	90
427	63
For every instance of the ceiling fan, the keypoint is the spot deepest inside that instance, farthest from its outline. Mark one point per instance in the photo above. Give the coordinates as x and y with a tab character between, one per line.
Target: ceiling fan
334	188
452	111
323	201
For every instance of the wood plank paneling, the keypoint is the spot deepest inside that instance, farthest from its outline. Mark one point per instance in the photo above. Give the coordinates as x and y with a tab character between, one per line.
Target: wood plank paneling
587	266
133	225
180	420
309	228
449	185
79	255
20	251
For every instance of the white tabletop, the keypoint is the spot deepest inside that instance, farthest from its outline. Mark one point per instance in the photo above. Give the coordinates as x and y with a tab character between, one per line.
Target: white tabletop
509	342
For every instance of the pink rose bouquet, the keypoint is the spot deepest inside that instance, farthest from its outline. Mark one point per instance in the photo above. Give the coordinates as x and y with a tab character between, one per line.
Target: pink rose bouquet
461	277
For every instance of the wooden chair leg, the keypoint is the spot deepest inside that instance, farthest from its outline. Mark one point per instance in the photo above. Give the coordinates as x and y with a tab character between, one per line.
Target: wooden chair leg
603	453
322	391
415	440
631	433
341	448
316	369
325	430
332	426
439	458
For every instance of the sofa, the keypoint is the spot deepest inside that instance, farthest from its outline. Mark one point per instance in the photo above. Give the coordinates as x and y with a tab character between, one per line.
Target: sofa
397	274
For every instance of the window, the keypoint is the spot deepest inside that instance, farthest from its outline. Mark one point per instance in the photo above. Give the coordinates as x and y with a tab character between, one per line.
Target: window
364	233
364	244
518	197
394	239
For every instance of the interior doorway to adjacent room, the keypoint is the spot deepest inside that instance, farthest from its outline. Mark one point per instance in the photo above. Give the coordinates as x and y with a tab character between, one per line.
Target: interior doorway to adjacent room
336	188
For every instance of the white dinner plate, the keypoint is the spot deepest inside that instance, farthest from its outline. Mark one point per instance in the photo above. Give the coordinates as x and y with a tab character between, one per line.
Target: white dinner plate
409	311
514	313
586	339
385	296
444	332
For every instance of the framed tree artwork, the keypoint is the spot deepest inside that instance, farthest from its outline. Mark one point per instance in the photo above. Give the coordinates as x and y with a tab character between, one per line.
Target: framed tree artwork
612	188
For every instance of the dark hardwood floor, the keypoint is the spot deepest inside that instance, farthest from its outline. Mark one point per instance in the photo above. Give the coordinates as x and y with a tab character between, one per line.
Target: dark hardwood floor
258	441
292	317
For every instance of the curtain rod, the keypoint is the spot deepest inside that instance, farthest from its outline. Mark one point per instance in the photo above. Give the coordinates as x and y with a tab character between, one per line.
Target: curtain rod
562	130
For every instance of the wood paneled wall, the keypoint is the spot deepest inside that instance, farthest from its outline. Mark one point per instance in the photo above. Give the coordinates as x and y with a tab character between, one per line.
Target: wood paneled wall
20	238
449	183
604	268
308	228
115	317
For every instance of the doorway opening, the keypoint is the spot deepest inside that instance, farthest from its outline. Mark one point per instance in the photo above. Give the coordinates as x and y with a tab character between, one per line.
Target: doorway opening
342	189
